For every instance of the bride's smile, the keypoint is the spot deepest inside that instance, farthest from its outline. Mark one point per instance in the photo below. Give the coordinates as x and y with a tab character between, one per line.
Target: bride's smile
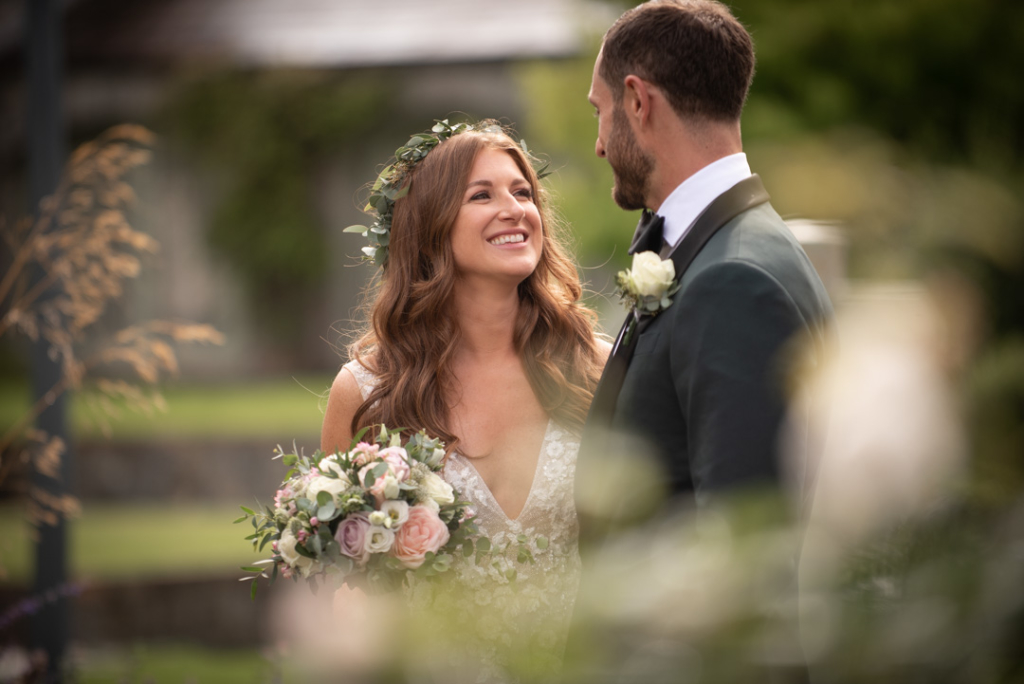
511	238
497	232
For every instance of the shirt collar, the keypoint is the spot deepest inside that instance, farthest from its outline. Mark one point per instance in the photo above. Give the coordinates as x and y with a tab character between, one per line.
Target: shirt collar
691	197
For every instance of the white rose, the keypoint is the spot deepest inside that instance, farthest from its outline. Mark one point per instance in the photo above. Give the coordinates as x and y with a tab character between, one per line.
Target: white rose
335	486
650	276
436	489
330	465
286	547
378	539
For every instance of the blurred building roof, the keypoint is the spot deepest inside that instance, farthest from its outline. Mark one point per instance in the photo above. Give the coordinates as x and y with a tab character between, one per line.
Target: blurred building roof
319	33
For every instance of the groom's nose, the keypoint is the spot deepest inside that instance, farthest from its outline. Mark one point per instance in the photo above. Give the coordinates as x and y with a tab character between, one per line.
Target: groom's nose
599	148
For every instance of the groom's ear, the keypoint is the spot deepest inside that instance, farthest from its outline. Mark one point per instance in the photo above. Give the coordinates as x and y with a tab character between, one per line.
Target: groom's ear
636	100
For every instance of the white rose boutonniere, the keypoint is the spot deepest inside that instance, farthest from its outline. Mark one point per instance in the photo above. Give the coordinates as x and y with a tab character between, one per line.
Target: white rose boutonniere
649	285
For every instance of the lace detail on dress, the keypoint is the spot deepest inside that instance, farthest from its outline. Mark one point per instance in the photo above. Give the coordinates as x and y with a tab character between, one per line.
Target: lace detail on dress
364	377
528	615
523	614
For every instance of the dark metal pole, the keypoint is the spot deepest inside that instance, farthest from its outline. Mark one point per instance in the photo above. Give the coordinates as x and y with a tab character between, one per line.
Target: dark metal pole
46	152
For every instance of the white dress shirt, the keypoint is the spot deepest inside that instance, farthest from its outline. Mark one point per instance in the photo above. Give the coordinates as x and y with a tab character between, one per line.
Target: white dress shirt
693	195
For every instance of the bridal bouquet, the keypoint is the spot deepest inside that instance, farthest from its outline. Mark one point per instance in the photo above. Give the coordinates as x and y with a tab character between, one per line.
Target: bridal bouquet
369	516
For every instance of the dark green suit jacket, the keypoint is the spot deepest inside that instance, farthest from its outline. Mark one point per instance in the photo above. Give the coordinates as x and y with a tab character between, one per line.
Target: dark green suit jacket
705	384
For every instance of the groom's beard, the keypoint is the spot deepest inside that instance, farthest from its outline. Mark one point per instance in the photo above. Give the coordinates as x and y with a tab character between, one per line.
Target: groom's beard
631	166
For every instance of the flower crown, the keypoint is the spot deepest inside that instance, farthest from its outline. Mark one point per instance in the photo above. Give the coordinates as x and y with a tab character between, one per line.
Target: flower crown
388	188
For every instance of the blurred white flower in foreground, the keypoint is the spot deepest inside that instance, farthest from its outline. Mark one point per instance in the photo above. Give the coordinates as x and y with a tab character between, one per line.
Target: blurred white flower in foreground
886	431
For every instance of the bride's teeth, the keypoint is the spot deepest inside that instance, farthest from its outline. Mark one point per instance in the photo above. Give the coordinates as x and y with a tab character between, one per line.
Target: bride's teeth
505	239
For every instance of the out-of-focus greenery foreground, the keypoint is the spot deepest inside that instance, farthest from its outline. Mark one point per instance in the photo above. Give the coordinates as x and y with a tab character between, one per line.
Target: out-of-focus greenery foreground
899	123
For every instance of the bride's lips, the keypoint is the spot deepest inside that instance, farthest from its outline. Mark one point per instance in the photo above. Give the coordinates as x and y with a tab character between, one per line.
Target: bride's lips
509	238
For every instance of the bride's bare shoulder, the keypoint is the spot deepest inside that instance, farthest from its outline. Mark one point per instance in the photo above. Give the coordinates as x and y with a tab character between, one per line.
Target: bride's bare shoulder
344	399
604	347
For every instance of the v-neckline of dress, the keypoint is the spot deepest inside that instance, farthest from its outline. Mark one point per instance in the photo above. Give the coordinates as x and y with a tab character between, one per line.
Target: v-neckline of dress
548	431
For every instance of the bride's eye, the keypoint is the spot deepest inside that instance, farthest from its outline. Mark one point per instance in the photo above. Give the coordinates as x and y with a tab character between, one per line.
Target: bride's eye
479	195
525	193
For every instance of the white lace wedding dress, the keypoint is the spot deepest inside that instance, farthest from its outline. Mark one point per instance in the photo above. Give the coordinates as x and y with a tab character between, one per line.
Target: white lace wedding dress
517	622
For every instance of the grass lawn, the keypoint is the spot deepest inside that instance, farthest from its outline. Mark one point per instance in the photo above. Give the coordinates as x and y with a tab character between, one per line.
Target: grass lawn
116	541
168	664
259	408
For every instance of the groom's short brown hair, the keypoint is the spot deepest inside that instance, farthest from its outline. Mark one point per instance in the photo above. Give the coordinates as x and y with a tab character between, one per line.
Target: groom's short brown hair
695	51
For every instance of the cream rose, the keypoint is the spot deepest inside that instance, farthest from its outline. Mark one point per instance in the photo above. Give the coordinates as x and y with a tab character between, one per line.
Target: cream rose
422	533
330	465
335	486
650	276
286	547
435	488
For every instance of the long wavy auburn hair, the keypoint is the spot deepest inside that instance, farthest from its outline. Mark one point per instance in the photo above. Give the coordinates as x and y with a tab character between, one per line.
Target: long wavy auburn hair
413	330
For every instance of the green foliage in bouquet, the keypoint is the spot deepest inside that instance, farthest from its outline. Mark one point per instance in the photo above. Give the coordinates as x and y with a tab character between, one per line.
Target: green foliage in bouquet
375	516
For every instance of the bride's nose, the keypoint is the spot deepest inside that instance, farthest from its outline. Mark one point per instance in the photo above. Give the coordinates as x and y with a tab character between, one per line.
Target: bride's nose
512	209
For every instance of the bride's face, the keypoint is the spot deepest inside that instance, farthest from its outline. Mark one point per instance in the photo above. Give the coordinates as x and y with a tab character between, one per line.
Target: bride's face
497	233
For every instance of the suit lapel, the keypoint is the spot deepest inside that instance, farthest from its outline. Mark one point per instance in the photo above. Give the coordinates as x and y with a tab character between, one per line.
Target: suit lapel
744	195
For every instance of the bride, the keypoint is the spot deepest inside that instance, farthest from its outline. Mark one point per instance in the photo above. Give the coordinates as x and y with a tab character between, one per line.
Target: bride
477	335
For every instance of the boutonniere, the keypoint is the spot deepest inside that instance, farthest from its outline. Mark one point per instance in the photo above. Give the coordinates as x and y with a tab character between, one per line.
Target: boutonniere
647	287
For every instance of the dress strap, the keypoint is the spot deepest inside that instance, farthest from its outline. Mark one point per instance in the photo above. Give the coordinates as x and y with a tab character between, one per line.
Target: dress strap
363	375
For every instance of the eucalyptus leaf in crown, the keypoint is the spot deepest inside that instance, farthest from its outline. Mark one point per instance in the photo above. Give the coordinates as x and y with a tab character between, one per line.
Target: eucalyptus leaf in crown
390	185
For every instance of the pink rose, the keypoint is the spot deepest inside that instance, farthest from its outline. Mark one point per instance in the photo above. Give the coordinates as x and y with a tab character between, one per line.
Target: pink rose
398	460
423	532
351	536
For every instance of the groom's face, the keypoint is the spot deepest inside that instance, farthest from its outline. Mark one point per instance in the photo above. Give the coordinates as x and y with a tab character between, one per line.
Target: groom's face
631	165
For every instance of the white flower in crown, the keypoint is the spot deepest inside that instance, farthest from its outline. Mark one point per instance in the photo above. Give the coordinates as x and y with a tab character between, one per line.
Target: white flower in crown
649	285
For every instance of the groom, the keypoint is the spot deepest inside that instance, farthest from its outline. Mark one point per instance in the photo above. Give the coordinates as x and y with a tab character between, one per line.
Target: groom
702	380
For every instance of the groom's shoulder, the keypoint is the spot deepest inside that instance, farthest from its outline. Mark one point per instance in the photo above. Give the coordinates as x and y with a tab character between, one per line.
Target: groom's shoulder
759	240
758	236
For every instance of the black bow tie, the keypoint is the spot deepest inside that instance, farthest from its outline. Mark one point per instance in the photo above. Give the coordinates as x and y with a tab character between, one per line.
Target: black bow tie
649	234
